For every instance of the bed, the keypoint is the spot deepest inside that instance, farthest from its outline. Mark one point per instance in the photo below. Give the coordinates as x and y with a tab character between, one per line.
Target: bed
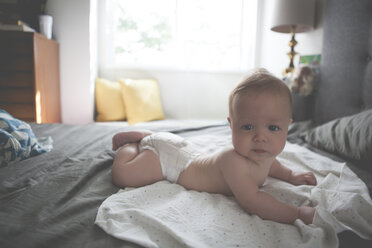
59	198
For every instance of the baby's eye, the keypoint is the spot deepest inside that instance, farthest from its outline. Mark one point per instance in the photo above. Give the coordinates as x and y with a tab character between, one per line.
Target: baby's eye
248	127
274	128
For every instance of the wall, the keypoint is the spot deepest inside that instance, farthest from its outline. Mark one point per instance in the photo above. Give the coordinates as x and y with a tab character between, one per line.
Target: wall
184	94
187	95
71	28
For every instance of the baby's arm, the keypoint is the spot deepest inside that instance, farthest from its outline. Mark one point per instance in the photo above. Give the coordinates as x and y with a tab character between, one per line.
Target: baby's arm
281	172
247	193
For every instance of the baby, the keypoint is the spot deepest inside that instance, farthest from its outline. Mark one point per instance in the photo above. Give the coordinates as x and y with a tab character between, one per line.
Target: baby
259	116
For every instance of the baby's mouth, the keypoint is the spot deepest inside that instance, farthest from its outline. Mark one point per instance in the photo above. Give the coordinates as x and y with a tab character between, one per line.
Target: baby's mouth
259	151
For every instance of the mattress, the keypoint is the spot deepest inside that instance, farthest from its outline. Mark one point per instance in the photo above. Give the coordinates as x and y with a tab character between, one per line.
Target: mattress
52	200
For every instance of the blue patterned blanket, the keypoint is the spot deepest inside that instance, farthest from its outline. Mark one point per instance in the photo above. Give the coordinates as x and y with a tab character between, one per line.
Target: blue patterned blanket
17	140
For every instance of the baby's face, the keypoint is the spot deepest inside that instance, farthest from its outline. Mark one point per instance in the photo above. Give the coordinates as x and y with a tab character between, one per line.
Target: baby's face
259	125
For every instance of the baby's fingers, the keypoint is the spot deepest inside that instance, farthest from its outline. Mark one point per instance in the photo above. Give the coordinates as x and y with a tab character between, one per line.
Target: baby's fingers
310	179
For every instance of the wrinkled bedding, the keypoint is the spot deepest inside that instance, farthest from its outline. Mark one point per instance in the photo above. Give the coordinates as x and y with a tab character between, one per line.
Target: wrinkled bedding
167	215
51	200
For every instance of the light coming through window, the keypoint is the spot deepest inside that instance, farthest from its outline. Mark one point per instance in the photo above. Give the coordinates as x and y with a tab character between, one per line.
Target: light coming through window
201	35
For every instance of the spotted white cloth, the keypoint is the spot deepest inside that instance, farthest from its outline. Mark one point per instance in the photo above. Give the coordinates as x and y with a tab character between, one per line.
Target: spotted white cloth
166	215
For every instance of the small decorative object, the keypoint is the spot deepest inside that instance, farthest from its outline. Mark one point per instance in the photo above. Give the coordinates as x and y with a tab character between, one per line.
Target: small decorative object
292	16
46	24
303	80
312	60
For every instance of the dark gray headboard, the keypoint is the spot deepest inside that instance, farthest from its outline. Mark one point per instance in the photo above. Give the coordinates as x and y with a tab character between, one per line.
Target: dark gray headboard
345	85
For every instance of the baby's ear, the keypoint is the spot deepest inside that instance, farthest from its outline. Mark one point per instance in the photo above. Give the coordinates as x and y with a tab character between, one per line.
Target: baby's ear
229	120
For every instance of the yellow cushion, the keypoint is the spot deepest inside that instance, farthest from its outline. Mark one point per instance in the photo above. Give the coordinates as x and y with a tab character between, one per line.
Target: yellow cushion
109	102
142	100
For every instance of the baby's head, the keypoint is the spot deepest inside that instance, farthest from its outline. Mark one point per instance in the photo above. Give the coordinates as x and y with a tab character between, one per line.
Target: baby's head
260	110
260	81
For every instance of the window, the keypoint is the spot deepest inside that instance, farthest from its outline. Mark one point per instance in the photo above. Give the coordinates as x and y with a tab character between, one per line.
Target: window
202	35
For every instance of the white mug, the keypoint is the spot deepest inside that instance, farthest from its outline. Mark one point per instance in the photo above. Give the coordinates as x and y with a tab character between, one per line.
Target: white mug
46	23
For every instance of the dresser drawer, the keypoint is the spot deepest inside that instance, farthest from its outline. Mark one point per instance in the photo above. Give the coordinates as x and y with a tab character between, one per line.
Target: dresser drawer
17	95
16	63
16	79
21	111
17	51
16	43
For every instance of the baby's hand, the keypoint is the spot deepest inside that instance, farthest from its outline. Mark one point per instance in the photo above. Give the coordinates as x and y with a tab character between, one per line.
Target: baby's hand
306	214
300	178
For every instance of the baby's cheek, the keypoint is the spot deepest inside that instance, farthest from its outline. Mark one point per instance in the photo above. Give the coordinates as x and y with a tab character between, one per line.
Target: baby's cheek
279	146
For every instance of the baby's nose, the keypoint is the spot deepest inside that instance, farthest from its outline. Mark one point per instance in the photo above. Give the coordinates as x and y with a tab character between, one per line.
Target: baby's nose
260	136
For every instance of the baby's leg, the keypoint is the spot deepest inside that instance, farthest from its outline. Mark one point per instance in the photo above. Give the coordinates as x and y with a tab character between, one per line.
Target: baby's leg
124	138
132	168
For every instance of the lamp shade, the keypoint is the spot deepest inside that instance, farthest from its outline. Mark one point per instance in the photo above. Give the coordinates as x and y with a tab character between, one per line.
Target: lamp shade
288	13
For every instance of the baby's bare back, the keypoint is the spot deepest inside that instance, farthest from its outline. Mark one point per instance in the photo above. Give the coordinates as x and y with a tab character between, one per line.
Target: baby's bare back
205	174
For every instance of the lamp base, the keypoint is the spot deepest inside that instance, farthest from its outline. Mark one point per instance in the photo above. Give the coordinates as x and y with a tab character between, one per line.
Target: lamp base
292	43
287	71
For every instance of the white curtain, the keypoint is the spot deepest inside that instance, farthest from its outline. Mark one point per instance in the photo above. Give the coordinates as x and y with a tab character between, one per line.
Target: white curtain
187	35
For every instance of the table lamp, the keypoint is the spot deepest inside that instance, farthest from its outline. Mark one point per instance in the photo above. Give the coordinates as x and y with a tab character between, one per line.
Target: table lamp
292	16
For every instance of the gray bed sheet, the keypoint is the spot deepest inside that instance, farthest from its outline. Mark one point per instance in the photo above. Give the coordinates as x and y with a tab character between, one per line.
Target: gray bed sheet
51	200
294	136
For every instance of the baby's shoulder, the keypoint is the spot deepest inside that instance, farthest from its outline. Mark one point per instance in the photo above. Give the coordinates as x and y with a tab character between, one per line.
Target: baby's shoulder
230	157
231	164
227	152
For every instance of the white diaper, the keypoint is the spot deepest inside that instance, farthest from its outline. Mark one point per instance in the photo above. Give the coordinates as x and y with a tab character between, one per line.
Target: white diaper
174	152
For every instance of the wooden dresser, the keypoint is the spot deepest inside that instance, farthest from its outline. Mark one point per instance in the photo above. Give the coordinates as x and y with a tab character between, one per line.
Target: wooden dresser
29	77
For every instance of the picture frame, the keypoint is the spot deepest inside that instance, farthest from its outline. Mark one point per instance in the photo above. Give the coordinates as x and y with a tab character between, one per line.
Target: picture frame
312	60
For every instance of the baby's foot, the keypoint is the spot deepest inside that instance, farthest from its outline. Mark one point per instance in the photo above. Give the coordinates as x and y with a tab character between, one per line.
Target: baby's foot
306	214
122	138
